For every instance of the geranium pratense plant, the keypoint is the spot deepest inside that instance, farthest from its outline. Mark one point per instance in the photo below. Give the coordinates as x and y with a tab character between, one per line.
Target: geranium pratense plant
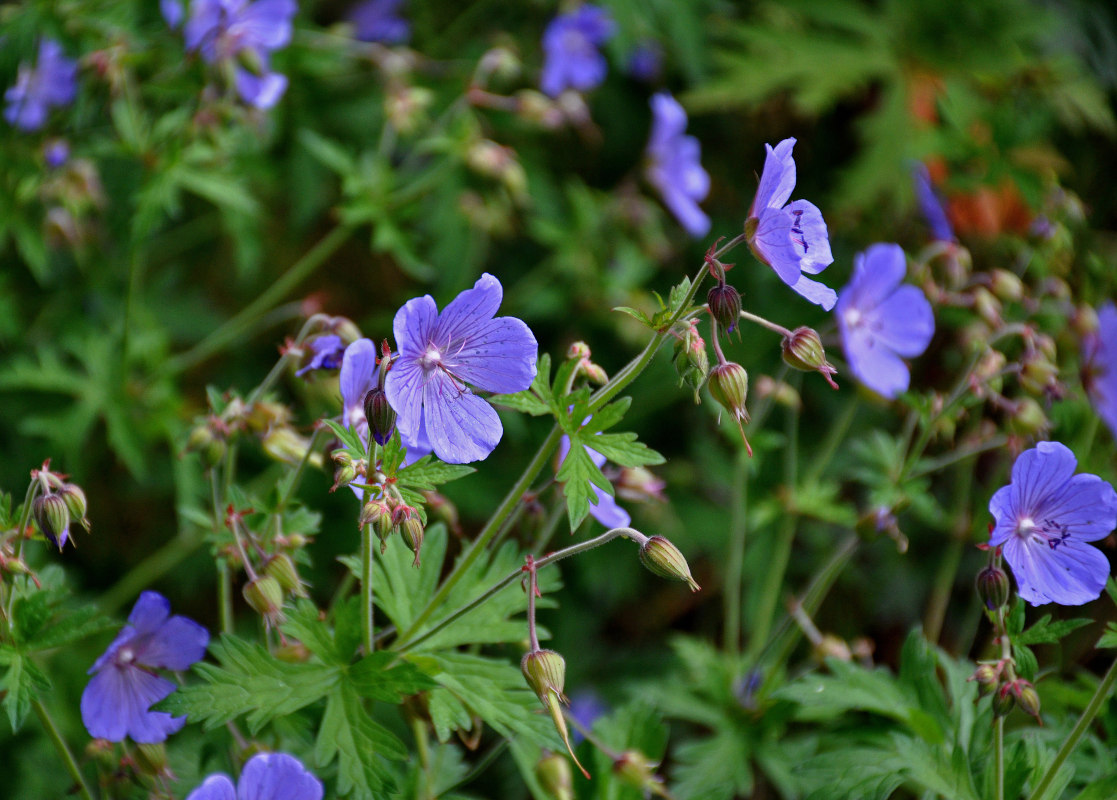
1100	369
266	776
124	686
571	57
882	321
1044	519
440	353
791	238
605	510
51	83
675	165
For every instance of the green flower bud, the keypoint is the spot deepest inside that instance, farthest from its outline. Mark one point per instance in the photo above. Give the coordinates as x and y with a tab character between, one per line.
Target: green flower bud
1028	418
344	475
987	677
803	350
553	773
205	441
75	502
52	515
545	673
151	759
638	771
691	361
578	350
993	587
1003	701
729	386
380	415
1006	285
724	302
265	596
666	561
285	445
376	514
1037	374
1026	697
283	569
412	531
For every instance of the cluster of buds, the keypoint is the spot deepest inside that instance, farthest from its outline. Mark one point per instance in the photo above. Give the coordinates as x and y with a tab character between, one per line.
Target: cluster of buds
580	353
348	469
388	516
691	361
57	505
274	576
545	673
998	680
663	559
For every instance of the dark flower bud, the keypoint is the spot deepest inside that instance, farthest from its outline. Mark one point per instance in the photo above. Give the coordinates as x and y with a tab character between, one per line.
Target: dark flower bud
52	516
987	677
265	596
74	498
803	350
554	776
725	305
380	415
665	560
1026	697
691	361
1003	701
283	569
993	587
729	386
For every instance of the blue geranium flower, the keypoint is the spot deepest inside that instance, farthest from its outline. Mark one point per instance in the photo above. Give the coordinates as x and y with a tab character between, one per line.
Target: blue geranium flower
930	204
1100	366
326	352
266	776
1045	517
52	82
125	685
440	353
571	58
791	238
881	321
379	21
240	32
675	166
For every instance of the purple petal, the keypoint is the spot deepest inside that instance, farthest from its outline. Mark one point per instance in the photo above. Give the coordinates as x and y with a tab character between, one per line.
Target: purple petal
607	512
809	237
215	787
931	205
260	91
904	323
462	427
464	312
777	181
876	274
875	366
378	21
116	701
202	27
1086	506
818	293
772	244
178	644
669	121
404	387
356	379
172	12
1002	505
414	327
1040	473
675	165
127	634
498	355
1071	574
1101	358
150	611
277	776
571	58
264	24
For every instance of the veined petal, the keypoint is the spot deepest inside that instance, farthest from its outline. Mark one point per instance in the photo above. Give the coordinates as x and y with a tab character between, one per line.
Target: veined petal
178	644
215	787
1002	505
818	293
414	327
875	366
357	378
772	244
115	704
1086	506
462	427
904	322
497	355
277	776
1071	574
466	311
777	181
809	237
1040	472
876	274
404	387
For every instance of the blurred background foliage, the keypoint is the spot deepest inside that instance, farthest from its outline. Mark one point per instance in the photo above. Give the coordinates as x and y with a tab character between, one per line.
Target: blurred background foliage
188	236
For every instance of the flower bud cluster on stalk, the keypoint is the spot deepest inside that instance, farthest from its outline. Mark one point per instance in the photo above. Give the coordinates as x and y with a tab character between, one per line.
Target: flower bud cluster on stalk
268	557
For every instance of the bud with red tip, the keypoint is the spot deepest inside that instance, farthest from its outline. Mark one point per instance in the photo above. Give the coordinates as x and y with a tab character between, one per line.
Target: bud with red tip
545	673
380	415
691	361
729	386
265	596
987	677
802	350
993	587
665	560
724	302
1026	697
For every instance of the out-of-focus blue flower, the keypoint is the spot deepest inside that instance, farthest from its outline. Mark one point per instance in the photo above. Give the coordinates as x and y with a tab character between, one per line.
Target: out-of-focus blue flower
1099	355
585	707
326	353
791	238
930	204
605	509
243	32
379	21
440	353
124	686
56	153
172	12
51	82
1045	517
645	62
571	58
266	776
675	165
880	320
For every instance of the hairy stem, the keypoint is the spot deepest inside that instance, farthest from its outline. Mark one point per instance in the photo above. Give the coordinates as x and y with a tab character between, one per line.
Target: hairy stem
367	608
62	748
731	634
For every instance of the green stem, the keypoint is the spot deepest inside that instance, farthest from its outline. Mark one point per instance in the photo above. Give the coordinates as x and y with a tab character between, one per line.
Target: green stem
1101	694
999	758
62	748
765	323
367	608
225	595
235	327
933	465
731	635
24	520
781	549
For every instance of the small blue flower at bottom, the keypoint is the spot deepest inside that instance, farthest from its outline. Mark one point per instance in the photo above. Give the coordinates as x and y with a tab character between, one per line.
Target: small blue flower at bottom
880	320
124	686
675	165
1045	517
266	776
